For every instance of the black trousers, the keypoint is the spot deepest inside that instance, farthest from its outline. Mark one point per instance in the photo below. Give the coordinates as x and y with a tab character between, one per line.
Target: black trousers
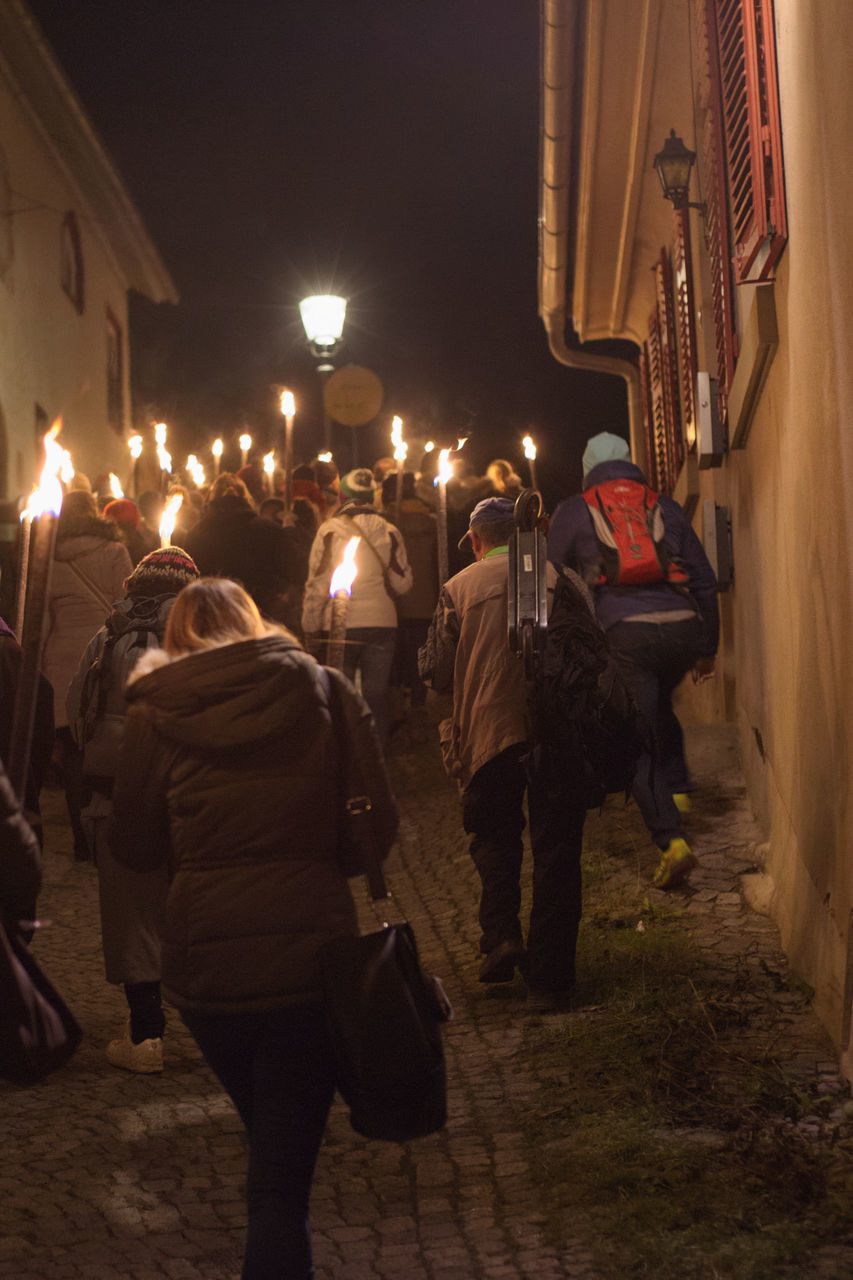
493	815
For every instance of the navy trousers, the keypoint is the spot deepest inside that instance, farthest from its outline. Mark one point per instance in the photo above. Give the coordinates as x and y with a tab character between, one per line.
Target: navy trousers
277	1069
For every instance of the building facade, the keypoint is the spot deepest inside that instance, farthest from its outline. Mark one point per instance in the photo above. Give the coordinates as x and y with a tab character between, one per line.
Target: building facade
71	246
740	397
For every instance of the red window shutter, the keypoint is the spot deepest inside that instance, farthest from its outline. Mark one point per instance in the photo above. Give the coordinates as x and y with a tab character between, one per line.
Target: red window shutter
674	441
656	420
750	111
648	416
688	364
716	216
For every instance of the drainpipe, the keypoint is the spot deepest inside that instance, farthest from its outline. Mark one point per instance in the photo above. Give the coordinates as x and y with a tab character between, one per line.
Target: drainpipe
561	27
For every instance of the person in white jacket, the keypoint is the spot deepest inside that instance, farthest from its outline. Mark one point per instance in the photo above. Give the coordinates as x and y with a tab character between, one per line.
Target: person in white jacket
383	574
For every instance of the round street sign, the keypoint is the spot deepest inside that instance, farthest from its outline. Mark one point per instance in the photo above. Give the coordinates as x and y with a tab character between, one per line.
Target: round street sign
353	396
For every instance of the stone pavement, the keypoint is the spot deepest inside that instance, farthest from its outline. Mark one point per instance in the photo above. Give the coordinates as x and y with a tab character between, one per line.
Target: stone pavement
110	1176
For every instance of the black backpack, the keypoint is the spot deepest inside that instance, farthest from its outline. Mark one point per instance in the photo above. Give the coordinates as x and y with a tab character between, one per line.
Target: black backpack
588	731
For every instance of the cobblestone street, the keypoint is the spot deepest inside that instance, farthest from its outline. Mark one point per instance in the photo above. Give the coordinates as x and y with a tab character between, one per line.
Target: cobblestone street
110	1176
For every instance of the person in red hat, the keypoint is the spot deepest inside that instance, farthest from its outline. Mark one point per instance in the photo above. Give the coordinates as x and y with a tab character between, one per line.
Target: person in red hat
125	514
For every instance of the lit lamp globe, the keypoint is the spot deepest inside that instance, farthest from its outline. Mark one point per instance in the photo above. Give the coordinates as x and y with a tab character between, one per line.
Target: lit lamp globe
323	320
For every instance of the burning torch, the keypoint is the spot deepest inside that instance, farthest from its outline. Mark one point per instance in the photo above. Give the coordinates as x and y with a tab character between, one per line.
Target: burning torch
340	589
170	515
530	455
288	408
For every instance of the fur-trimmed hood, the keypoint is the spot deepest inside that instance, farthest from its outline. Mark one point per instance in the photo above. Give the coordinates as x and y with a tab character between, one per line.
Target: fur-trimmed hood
78	534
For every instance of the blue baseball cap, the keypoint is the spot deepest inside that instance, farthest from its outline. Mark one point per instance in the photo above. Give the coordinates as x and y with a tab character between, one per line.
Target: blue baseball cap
489	511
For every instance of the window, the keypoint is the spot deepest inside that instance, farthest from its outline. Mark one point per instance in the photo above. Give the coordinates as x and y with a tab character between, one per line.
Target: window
659	372
71	261
115	374
745	224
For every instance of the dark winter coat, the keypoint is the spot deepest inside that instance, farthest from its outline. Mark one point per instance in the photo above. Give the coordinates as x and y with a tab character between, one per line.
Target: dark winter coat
20	858
572	542
231	770
232	541
42	740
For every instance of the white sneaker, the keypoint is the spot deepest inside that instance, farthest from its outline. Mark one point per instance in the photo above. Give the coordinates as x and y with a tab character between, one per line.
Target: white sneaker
145	1057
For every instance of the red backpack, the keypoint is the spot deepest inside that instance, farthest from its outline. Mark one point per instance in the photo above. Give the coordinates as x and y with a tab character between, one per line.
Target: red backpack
628	525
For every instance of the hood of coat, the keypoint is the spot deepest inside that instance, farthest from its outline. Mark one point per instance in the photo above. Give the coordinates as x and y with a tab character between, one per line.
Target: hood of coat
233	696
79	534
613	470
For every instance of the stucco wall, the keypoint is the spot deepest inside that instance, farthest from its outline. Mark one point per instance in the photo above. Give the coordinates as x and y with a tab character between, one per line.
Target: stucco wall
49	354
793	520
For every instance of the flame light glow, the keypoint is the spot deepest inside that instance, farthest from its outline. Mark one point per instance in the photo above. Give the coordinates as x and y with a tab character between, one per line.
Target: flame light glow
429	446
245	442
115	486
196	470
216	448
401	449
344	575
170	515
445	470
269	463
134	444
324	457
288	404
47	496
529	448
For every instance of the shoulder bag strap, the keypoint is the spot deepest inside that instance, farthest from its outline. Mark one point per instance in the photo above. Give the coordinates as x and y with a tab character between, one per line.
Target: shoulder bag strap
358	532
357	804
92	587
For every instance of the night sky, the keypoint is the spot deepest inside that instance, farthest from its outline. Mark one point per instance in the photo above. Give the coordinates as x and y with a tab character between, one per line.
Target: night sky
387	152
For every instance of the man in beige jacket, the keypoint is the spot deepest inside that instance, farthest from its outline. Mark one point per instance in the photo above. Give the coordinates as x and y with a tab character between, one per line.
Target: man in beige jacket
485	745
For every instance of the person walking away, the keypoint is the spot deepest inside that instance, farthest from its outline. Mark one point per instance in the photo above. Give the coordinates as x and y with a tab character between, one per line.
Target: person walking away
132	906
485	744
230	776
383	574
90	565
125	514
43	729
232	541
417	524
657	601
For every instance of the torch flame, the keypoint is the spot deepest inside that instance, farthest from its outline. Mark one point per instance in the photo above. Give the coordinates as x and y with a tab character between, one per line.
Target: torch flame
47	497
324	457
164	458
170	515
216	448
196	470
288	404
160	430
269	463
344	575
245	442
429	446
529	448
445	470
134	444
461	441
115	486
401	449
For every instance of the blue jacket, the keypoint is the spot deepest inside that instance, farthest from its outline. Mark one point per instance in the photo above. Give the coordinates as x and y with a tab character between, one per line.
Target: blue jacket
572	542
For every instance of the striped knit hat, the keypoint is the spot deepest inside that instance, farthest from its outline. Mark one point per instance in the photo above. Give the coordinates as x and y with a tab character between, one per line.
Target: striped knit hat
161	573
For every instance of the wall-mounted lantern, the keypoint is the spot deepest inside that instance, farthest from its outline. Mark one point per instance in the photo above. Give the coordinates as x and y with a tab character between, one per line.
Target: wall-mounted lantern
673	166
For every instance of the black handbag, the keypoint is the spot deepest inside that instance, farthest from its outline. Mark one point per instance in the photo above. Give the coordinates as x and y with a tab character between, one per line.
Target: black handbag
384	1011
38	1032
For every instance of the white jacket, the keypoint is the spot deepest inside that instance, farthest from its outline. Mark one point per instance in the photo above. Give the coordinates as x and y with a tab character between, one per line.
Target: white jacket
370	604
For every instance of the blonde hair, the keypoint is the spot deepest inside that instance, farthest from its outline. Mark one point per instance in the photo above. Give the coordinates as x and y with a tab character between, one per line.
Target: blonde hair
228	483
210	613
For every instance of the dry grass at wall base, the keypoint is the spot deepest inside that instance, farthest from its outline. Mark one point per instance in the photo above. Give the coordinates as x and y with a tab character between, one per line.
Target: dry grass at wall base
668	1124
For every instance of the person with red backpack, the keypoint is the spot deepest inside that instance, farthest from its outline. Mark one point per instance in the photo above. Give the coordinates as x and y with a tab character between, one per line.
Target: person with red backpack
656	598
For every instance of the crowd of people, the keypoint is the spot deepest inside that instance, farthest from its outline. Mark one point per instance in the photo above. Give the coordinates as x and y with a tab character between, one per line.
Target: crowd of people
186	709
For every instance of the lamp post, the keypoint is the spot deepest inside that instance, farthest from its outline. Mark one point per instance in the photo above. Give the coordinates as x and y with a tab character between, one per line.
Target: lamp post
673	165
323	318
288	409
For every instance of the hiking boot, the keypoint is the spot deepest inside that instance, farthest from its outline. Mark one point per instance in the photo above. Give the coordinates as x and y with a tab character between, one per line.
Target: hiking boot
499	965
145	1057
677	861
682	802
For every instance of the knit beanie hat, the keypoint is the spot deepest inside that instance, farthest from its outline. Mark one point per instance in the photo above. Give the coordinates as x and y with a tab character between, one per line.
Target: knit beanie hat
161	573
122	512
605	447
358	484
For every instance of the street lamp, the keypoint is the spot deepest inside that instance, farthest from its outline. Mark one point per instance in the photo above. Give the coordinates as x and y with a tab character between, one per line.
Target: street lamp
673	165
323	320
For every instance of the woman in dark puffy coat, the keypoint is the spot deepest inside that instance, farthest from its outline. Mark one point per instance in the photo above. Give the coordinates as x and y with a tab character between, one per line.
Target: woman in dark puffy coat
231	771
